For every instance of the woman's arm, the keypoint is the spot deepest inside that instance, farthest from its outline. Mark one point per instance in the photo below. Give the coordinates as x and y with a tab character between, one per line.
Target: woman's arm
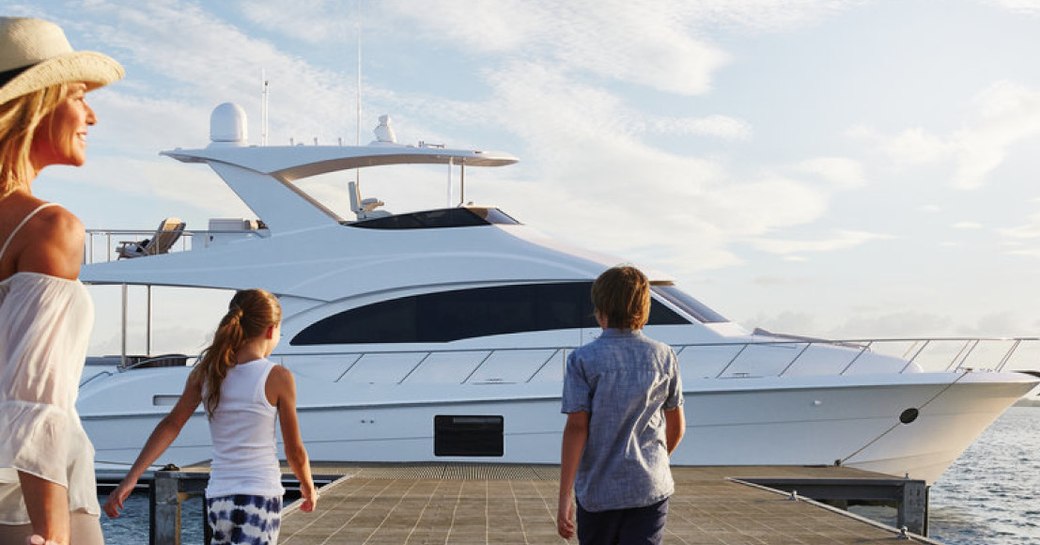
281	392
52	244
165	432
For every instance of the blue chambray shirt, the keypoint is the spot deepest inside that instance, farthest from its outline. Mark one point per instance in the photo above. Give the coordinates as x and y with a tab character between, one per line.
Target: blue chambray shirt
624	380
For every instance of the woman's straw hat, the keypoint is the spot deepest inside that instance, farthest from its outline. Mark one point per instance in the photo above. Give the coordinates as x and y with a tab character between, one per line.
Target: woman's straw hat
35	54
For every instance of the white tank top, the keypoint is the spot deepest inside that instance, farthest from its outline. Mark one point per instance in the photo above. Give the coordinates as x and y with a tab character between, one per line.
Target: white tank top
245	455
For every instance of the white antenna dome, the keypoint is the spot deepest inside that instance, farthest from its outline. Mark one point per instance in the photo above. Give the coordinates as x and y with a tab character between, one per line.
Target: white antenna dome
227	124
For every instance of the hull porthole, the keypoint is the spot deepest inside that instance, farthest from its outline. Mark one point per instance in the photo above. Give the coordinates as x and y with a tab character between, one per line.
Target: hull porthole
909	415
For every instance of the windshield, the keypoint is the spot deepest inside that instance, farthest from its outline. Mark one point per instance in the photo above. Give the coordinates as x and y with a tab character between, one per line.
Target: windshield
688	304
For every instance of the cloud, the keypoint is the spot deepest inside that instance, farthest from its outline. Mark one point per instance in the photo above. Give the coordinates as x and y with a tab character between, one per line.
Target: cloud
840	171
1006	114
313	21
1024	7
672	53
1029	230
719	126
840	240
902	324
967	225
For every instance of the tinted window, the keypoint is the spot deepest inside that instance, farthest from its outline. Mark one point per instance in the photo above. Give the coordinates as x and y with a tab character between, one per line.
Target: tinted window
688	304
438	219
462	314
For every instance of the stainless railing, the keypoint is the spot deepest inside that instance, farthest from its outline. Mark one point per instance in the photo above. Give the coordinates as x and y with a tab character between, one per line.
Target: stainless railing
101	245
931	354
948	354
110	239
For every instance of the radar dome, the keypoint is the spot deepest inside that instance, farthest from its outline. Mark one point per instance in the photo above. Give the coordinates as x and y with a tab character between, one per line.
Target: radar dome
227	124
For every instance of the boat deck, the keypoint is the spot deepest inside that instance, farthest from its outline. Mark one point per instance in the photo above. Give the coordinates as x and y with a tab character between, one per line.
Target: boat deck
488	504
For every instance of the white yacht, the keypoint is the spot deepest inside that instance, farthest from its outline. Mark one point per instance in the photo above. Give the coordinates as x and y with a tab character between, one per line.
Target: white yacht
442	335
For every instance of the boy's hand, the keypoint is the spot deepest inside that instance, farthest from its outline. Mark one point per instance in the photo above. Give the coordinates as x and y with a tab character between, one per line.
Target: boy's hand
565	518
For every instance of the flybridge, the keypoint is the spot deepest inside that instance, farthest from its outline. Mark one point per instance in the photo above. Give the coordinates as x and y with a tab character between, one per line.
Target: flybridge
263	176
229	145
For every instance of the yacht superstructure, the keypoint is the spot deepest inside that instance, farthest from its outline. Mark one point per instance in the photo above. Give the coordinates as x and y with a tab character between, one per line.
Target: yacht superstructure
447	340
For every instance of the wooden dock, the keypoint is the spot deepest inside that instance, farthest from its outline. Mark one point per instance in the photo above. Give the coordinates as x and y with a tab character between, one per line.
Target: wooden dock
444	503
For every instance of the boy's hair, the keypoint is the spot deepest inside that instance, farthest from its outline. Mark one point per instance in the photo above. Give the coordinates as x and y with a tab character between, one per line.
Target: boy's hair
622	295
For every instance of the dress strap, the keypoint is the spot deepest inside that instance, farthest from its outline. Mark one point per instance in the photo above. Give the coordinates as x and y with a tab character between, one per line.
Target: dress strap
22	224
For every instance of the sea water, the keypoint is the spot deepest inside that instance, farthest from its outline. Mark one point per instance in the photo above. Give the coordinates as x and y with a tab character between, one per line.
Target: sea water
989	496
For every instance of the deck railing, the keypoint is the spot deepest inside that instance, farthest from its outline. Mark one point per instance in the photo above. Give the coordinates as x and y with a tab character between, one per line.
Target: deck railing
722	360
102	245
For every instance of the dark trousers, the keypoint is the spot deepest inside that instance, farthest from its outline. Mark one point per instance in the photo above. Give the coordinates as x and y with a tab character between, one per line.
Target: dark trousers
635	526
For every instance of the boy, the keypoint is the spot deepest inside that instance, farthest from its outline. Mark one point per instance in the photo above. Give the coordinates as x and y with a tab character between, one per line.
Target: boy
623	398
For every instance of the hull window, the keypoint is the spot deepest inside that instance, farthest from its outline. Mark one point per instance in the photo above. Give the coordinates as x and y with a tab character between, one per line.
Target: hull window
467	435
463	314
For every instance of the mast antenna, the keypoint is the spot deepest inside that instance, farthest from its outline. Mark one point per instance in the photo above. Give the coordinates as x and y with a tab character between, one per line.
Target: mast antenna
358	105
263	106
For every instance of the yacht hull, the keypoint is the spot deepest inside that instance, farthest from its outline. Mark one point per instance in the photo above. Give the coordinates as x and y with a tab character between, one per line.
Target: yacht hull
851	421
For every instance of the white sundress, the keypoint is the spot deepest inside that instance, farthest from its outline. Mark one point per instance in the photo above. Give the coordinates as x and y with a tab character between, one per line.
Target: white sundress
45	324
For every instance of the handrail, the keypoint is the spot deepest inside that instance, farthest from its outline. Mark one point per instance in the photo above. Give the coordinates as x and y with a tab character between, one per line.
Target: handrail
854	348
150	360
185	243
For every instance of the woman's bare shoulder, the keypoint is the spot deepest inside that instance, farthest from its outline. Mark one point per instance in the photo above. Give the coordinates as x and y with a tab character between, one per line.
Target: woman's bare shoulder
52	244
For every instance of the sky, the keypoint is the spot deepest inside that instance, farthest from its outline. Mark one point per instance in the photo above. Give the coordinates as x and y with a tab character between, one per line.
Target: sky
843	169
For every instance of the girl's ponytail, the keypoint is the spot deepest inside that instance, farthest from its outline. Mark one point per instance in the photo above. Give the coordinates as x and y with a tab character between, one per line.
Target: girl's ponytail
249	314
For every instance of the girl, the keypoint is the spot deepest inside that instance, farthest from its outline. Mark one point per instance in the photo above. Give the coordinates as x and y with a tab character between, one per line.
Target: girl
243	394
47	487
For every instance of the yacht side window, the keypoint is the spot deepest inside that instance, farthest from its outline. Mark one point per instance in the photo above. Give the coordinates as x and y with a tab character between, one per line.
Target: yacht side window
462	314
688	304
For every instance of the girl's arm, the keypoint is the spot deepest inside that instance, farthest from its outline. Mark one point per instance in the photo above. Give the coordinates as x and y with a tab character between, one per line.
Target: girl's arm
165	432
281	392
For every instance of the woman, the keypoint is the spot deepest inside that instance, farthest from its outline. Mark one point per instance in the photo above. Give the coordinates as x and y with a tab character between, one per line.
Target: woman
47	488
244	393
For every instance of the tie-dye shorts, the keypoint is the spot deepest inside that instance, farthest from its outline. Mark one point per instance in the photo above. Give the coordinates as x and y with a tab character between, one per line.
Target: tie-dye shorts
244	519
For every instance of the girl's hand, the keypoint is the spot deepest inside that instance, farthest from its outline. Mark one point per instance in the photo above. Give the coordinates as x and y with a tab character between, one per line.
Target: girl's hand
115	500
310	500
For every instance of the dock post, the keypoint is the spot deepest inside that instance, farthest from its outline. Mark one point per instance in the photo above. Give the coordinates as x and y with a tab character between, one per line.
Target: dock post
164	506
912	509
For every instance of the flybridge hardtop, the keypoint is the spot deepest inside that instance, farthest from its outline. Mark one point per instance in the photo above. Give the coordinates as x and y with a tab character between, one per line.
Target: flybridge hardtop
229	145
297	163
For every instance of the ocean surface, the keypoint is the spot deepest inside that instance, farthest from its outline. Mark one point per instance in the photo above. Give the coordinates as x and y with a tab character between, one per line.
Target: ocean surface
990	496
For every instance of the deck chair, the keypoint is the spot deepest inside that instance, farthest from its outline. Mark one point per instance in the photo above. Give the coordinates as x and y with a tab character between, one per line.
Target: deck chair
165	236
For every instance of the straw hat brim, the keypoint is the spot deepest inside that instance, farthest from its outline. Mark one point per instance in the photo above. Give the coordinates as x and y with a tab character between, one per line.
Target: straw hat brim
93	68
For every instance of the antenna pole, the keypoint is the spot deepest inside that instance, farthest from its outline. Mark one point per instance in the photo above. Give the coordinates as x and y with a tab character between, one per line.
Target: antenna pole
263	106
359	72
357	171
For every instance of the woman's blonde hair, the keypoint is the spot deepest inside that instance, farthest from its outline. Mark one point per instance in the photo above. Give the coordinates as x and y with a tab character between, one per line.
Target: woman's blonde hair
19	118
249	315
622	295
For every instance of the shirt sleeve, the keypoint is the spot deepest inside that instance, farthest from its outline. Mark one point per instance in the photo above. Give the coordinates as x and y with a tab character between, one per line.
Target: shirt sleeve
41	361
577	392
